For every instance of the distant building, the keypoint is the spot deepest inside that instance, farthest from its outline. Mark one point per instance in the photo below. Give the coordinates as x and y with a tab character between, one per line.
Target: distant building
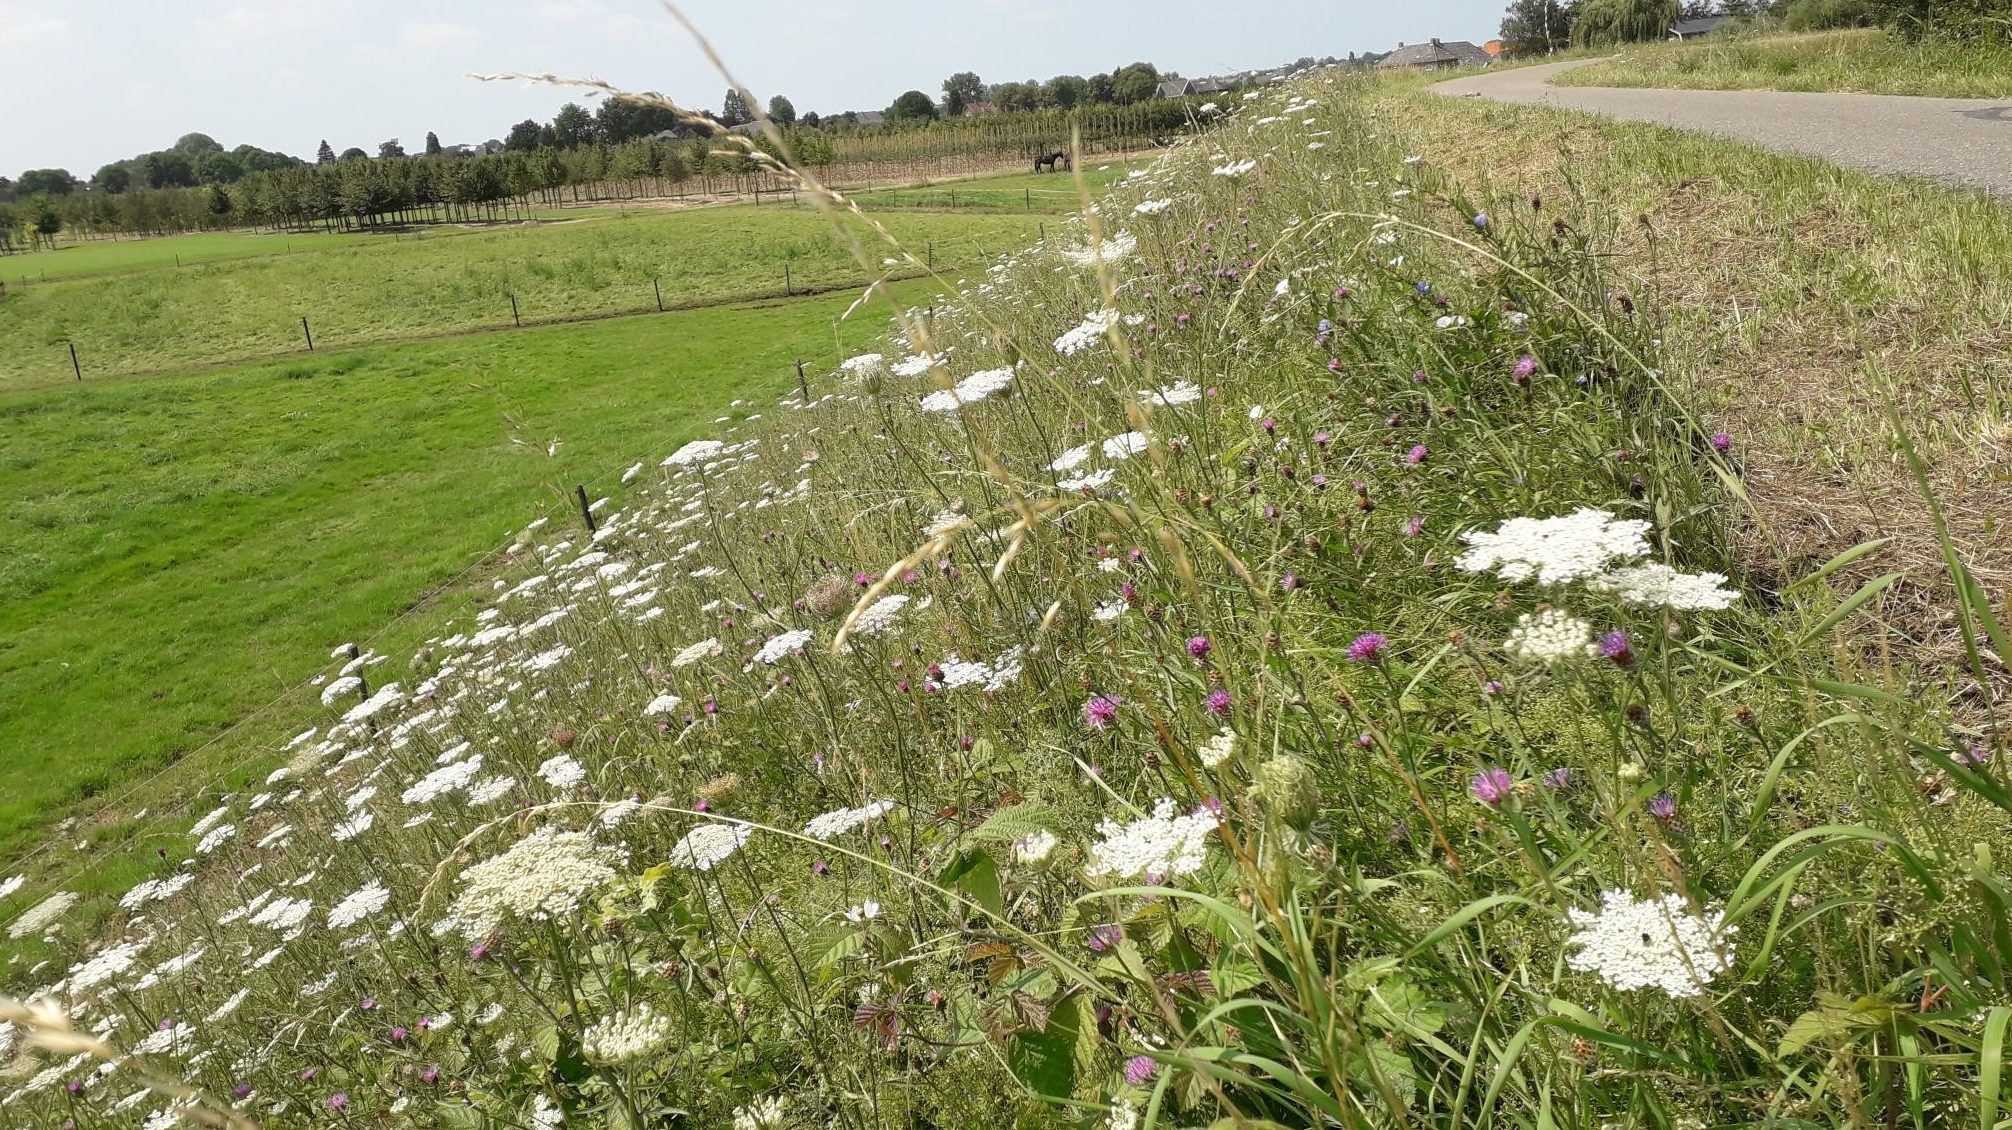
1176	88
980	109
871	118
1494	48
1691	29
1438	55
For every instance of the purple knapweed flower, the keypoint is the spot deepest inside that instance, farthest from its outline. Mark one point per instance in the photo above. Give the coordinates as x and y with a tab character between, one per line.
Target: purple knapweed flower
336	1101
1100	711
1491	786
1218	702
1663	807
1198	646
1526	367
1138	1069
1417	454
1558	779
1614	645
430	1076
1722	442
1104	937
1322	439
1415	526
1290	582
1368	647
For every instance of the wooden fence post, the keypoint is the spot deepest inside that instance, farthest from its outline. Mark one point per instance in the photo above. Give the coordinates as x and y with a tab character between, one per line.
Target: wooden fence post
800	382
586	513
74	366
307	333
514	315
658	286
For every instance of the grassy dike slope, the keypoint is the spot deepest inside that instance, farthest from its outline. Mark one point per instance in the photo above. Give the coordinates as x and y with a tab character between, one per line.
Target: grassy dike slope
1168	722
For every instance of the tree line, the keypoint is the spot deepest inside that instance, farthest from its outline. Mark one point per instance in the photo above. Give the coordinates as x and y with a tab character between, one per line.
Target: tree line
1537	27
449	186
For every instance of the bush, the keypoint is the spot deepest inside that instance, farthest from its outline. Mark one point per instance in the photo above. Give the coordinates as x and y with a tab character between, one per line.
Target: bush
1823	15
1986	21
1605	22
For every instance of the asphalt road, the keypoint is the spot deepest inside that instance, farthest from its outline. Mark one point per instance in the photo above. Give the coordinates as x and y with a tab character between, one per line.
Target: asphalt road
1960	141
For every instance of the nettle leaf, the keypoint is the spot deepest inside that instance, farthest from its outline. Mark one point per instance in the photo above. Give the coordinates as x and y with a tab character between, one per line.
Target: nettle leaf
1381	1062
1232	975
1398	1005
460	1116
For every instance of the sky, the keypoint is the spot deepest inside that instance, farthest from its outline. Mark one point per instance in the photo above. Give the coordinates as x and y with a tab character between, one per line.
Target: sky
86	82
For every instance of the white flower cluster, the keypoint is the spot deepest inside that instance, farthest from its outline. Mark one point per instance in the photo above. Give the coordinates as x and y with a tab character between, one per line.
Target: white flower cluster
1218	749
1151	207
697	451
1034	848
782	646
662	704
1554	551
1585	546
626	1036
1656	585
562	772
995	676
1234	169
1154	848
1071	459
704	649
1086	334
862	365
108	963
1180	392
348	684
917	365
543	876
709	845
1635	943
215	838
1550	638
839	821
1112	250
1125	445
970	390
366	901
881	616
156	890
444	780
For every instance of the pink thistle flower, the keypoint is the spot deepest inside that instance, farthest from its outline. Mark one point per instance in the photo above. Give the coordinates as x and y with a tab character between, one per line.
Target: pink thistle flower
1218	702
1491	786
1100	711
1368	647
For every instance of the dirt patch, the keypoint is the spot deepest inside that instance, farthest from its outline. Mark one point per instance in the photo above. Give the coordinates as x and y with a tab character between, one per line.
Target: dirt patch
1805	300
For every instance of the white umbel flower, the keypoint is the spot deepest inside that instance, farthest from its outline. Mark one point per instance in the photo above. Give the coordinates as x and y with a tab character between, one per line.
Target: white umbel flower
1151	207
839	821
541	877
1656	585
1153	848
1632	943
1034	848
662	704
709	845
1124	446
881	616
863	365
1218	749
562	772
970	390
370	899
1113	250
1554	550
626	1036
697	451
703	649
1087	334
1180	392
782	646
1549	638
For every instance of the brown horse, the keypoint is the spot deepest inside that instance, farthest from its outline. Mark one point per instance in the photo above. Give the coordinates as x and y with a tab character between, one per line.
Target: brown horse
1059	157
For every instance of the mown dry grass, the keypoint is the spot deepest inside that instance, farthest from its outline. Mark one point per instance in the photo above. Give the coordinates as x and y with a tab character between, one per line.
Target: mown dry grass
1859	60
1805	299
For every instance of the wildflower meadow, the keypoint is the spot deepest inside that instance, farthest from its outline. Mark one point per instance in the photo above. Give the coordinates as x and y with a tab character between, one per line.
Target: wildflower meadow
1268	656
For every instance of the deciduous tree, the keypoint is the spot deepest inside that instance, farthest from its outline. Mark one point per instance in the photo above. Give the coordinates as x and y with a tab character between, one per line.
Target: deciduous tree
734	110
960	91
912	105
432	144
1536	27
781	111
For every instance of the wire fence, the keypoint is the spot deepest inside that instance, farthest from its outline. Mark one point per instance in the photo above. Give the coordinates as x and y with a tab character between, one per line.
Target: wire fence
304	331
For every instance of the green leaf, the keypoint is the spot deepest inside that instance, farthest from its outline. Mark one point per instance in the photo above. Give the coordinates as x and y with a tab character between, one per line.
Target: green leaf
1009	824
1991	1066
1045	1062
1833	1017
980	883
545	1041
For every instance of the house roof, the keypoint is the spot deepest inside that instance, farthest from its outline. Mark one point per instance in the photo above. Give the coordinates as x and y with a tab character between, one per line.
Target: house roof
1688	28
1458	52
1174	88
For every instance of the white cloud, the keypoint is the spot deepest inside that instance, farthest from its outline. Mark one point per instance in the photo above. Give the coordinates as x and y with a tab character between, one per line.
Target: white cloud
436	34
265	20
28	30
